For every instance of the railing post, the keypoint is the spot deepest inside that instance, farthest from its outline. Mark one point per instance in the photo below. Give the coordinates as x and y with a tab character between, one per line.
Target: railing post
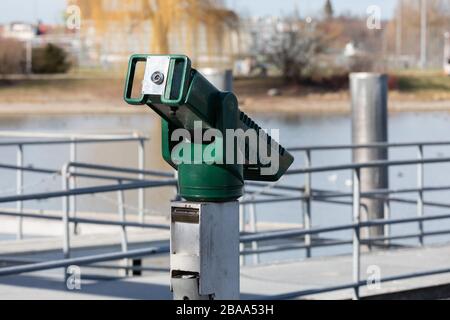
65	212
141	192
420	178
73	183
122	217
242	229
387	227
254	228
307	203
19	187
356	231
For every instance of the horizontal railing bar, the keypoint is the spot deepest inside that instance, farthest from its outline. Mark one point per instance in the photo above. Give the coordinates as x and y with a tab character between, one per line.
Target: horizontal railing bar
88	190
85	220
296	232
369	194
120	169
297	294
409	236
268	249
74	174
382	222
362	165
369	145
29	169
274	186
253	193
68	141
279	199
48	265
76	135
272	235
320	197
130	268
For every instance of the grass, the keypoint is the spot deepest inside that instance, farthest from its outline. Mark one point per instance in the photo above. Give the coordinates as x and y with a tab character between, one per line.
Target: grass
423	84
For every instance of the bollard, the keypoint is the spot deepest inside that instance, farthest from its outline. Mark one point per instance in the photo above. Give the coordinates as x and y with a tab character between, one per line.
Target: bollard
369	93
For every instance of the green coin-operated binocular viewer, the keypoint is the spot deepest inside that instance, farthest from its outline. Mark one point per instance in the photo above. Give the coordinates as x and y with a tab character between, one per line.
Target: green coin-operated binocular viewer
186	100
214	147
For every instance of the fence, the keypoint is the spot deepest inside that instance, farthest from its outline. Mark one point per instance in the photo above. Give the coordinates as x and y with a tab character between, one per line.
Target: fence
256	194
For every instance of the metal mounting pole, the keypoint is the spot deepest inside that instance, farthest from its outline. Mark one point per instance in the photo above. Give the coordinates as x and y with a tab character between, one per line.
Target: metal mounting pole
204	250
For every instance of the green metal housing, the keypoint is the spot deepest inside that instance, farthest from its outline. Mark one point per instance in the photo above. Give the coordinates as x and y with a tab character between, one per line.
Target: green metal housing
189	97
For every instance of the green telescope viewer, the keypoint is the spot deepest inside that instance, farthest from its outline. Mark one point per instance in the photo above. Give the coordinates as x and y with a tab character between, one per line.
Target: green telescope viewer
190	106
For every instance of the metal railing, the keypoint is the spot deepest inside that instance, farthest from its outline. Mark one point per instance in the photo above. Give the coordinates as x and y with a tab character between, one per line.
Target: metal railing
308	194
72	140
304	238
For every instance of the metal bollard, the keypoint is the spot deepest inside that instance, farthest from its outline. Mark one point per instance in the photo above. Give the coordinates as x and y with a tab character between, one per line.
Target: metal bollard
369	93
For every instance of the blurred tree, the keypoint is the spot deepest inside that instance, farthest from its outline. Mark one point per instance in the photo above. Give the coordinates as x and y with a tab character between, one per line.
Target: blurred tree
185	19
50	59
328	10
293	47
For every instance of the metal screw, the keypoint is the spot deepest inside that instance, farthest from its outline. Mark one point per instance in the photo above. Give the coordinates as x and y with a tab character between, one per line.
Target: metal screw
157	77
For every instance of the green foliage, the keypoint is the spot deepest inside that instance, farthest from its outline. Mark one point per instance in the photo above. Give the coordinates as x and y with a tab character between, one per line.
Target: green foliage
420	81
50	59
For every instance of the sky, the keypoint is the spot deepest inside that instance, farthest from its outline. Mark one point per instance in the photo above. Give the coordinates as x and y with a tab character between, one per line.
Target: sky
51	11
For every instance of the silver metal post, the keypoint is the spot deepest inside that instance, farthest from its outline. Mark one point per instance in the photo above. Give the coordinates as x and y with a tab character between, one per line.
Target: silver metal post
19	191
369	92
141	192
254	229
420	178
122	217
307	203
65	212
73	183
356	232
